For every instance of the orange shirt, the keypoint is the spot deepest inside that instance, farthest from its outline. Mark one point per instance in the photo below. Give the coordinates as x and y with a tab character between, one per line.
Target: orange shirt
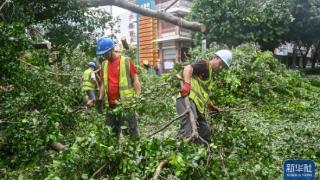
113	79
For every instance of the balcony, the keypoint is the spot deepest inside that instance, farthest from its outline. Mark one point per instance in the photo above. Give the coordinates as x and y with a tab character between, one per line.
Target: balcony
169	32
181	7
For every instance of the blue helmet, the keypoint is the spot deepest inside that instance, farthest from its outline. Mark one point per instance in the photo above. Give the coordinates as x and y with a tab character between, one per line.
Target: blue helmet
104	45
92	64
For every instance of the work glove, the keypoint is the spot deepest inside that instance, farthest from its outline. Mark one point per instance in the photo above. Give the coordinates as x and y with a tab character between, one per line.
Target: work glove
100	106
185	89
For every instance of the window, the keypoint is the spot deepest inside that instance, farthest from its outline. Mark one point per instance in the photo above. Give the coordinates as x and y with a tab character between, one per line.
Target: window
131	25
169	53
132	34
167	27
131	16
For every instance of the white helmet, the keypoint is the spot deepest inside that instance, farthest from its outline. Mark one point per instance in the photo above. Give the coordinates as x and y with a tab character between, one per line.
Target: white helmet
225	55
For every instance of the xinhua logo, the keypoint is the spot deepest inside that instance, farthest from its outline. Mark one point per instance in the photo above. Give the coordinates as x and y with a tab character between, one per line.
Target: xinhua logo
299	170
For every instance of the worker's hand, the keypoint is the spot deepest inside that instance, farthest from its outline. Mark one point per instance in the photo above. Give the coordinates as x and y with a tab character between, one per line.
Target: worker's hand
185	89
100	106
213	107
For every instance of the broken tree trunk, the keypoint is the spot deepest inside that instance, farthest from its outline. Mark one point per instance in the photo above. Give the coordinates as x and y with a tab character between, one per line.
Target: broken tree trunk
57	146
192	119
158	170
194	26
193	135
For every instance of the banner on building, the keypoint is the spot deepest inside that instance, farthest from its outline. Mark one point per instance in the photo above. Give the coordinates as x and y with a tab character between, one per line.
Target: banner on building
148	4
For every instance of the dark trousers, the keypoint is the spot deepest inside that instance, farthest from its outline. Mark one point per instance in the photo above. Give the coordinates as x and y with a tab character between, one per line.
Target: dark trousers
125	122
185	125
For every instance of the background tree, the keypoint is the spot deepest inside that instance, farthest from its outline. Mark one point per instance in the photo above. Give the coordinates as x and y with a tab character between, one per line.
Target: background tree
33	92
305	28
233	22
67	24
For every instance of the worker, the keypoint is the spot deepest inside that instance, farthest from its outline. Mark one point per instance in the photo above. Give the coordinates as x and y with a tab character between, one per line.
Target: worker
90	83
195	78
120	84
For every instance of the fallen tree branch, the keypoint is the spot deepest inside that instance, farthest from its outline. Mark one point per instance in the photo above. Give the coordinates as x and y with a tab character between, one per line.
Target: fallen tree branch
4	120
167	125
4	3
208	150
193	135
158	170
36	67
97	171
77	109
194	26
192	119
174	2
57	146
221	153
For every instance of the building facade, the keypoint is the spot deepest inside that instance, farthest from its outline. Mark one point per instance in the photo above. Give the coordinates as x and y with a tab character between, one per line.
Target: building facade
160	43
173	41
147	34
127	23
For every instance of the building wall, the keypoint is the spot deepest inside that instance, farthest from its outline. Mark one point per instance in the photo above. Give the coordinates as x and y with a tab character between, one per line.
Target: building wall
127	23
147	37
128	27
173	41
147	34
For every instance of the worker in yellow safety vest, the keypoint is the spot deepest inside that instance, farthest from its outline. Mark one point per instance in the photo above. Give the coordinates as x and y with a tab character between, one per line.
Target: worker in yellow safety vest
90	83
120	83
195	78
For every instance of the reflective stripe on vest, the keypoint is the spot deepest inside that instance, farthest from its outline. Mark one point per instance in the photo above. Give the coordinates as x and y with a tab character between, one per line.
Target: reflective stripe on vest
87	84
125	83
198	94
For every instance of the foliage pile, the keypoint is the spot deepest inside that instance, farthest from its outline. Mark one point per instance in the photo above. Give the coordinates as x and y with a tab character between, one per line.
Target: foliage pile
270	114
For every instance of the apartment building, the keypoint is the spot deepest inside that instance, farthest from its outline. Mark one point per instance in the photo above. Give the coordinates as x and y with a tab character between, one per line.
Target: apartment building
127	23
173	41
147	34
132	27
128	27
160	43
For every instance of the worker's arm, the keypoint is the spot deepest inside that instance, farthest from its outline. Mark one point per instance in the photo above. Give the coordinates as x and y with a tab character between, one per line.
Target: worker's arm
97	84
187	74
136	84
94	79
101	92
186	86
100	100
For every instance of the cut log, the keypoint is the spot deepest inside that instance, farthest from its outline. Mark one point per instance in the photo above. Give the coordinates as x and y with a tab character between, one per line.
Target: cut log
168	17
57	146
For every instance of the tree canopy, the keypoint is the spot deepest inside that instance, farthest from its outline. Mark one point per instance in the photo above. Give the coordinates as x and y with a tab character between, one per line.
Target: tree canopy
233	22
61	22
270	113
306	24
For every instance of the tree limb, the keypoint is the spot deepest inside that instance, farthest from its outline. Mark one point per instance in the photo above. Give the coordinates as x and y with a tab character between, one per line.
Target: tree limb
192	119
36	67
4	3
221	153
57	146
158	170
100	169
167	125
194	26
174	2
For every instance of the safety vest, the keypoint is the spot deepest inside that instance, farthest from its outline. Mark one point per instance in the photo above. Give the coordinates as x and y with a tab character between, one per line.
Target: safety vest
125	84
198	94
87	84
